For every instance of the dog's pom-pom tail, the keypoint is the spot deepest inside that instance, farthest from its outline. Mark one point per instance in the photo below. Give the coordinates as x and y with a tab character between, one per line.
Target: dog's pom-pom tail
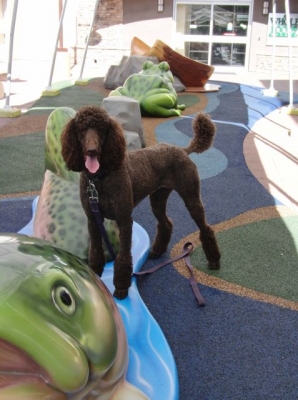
204	132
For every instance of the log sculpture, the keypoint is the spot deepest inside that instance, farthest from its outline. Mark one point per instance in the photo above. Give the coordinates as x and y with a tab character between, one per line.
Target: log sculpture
192	74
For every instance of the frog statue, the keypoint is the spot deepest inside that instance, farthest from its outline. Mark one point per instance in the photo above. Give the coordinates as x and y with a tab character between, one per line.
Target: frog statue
153	89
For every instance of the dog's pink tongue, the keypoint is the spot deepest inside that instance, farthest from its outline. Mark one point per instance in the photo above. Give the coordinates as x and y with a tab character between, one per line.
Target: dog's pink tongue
92	164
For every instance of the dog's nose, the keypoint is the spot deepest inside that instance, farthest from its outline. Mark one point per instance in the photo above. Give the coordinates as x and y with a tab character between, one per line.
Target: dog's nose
91	152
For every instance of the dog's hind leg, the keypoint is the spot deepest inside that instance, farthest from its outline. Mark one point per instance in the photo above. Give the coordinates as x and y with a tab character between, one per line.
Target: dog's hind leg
192	199
210	246
158	201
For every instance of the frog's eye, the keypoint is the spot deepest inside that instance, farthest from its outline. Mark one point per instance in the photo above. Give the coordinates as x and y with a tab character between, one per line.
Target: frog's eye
64	300
164	66
147	64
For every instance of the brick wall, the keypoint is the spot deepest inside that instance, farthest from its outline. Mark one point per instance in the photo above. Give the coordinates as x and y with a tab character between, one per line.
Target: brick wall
281	63
106	39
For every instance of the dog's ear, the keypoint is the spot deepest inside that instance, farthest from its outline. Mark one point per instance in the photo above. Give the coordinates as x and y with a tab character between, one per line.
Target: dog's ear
114	148
71	148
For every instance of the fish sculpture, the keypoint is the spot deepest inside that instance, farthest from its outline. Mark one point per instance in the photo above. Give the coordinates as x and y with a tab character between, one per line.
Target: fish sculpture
61	333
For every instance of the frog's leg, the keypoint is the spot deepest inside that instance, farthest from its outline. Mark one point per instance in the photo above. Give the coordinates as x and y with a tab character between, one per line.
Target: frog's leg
120	91
181	106
115	92
160	105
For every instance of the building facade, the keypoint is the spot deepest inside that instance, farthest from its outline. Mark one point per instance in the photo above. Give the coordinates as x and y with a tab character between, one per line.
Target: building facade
228	34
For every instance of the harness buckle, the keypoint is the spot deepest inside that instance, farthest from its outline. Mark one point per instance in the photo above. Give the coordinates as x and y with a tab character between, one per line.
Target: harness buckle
92	192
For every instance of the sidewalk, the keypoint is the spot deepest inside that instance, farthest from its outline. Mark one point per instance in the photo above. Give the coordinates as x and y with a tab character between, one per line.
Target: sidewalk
280	80
271	148
29	80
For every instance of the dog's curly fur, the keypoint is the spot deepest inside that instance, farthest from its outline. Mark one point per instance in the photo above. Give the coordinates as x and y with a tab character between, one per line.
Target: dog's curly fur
123	179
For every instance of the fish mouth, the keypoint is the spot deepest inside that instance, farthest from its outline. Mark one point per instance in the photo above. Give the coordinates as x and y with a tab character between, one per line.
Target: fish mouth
17	368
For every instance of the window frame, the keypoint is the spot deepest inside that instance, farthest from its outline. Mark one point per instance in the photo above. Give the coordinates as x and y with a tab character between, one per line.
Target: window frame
182	39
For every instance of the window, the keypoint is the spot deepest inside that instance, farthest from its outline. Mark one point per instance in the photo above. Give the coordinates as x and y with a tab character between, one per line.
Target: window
230	20
213	33
194	19
197	51
228	54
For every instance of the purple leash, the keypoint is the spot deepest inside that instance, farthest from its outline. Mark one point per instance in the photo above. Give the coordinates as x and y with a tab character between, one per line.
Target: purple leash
187	249
93	200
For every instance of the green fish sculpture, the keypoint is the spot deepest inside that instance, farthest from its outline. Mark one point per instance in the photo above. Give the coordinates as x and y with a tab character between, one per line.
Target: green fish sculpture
61	334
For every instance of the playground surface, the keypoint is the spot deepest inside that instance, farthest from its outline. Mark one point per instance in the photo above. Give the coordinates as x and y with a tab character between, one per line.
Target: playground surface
243	343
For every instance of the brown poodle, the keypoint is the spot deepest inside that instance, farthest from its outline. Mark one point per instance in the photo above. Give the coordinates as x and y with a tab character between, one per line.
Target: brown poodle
94	144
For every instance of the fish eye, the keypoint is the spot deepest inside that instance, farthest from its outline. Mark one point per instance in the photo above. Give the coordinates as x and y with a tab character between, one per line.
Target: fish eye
64	300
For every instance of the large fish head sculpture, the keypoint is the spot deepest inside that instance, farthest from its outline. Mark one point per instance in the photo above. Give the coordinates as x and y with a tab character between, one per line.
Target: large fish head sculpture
61	334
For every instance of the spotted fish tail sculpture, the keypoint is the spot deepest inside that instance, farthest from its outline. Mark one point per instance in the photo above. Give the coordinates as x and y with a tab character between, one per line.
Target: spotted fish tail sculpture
60	218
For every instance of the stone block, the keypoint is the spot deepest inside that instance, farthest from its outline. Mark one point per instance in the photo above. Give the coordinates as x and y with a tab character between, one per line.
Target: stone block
133	140
127	112
117	74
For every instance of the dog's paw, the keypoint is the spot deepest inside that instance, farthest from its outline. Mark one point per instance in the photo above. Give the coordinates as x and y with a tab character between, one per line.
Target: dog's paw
120	294
214	265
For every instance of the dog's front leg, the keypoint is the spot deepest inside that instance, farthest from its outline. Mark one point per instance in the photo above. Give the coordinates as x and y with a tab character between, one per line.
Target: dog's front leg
123	262
96	252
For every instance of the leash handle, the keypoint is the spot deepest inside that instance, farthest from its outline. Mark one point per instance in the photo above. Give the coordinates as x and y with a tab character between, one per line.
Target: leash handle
187	249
